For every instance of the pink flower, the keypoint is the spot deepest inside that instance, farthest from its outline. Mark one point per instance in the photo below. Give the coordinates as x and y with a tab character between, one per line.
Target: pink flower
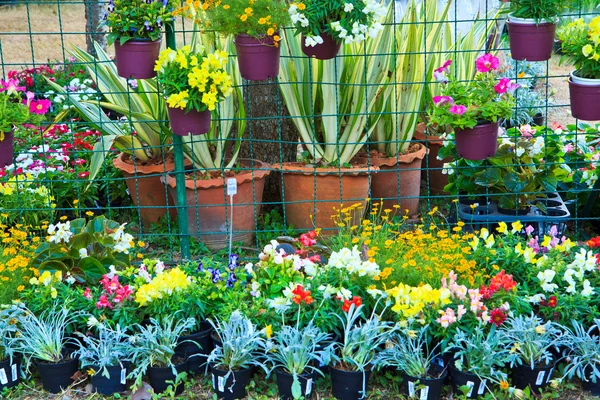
29	96
444	67
487	63
440	100
306	240
512	88
103	302
82	175
440	77
529	230
11	86
567	148
447	318
39	107
502	86
87	294
527	131
458	109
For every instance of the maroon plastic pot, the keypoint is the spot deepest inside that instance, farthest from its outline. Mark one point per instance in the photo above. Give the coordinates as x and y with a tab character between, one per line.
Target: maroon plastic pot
585	98
531	42
189	122
477	143
324	51
258	58
136	58
7	149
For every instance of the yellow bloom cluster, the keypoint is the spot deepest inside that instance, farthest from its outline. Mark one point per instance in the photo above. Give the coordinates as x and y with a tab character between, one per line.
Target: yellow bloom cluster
164	284
411	302
17	249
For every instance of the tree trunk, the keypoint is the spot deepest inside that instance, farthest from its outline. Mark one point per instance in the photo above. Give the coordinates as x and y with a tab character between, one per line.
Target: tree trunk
94	14
270	134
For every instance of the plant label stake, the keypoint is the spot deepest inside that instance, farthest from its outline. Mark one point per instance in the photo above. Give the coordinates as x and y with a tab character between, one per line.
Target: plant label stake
231	191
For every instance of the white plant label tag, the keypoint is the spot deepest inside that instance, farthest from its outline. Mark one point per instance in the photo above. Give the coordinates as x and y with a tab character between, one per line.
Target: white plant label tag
424	393
231	186
440	362
213	382
470	385
549	375
482	386
540	378
221	381
411	388
15	372
123	376
3	377
308	387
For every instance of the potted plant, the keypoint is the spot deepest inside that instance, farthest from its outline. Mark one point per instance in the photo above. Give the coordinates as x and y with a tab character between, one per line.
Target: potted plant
255	24
193	84
581	46
232	361
531	28
106	356
136	31
473	108
10	362
153	353
473	366
530	341
583	351
408	351
357	354
42	341
325	24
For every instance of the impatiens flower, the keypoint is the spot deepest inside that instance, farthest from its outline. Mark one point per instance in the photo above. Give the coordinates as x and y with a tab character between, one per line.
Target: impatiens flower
458	109
487	63
502	86
441	100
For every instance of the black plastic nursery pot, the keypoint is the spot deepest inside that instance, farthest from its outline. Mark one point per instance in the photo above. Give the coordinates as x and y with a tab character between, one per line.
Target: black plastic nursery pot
230	386
477	386
349	385
160	376
9	373
197	346
429	388
536	378
115	383
57	377
285	381
592	387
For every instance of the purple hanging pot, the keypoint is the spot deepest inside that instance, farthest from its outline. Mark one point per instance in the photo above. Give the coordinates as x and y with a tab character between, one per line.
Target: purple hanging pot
258	58
477	143
184	122
136	58
7	149
585	97
529	41
324	51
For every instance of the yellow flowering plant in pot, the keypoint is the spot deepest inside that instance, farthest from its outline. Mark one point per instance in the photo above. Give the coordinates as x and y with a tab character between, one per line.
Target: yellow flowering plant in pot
193	82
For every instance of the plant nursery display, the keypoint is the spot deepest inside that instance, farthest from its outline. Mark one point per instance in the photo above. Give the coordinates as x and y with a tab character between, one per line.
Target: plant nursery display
581	47
136	31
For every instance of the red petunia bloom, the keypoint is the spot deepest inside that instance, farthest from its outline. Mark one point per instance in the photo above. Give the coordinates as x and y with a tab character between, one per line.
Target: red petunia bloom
497	316
301	295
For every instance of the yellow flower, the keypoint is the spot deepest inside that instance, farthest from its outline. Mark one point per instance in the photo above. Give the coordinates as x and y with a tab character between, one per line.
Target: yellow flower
502	228
75	202
63	218
243	17
540	329
20	288
270	31
226	7
504	385
178	100
269	331
53	293
516	227
89	213
587	50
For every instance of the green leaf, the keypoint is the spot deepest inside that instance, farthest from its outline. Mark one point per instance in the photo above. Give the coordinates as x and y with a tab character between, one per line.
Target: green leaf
92	269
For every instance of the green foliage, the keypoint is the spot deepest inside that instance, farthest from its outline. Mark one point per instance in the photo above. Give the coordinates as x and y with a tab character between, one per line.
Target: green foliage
12	111
539	10
581	47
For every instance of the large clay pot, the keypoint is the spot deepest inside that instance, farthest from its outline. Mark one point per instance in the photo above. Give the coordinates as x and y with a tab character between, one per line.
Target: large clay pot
136	58
208	205
530	41
145	188
311	194
324	51
7	149
432	169
258	58
399	180
585	97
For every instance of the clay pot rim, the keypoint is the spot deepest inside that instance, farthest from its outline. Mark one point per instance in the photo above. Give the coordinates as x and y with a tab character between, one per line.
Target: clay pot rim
400	158
303	169
141	169
262	170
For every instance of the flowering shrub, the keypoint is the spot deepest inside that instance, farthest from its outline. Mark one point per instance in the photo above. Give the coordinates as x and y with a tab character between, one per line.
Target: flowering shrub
581	46
349	21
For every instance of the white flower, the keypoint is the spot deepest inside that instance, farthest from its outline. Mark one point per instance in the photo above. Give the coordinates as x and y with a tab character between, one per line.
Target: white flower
328	291
70	280
83	253
344	294
447	169
536	299
111	272
310	268
255	290
348	7
374	292
588	290
159	267
61	232
248	268
280	304
92	322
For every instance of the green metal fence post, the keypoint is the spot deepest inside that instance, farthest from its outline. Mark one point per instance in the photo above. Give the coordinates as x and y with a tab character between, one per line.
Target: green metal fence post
182	216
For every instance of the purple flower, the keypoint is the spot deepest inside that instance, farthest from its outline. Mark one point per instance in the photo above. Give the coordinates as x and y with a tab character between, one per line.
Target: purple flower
487	63
233	258
441	100
165	2
111	7
231	281
200	267
512	88
529	230
440	77
148	26
159	22
216	276
553	231
458	109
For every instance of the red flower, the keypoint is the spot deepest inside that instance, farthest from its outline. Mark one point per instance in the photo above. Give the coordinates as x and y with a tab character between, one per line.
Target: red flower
301	295
356	300
552	302
593	242
307	240
87	293
83	174
497	316
103	302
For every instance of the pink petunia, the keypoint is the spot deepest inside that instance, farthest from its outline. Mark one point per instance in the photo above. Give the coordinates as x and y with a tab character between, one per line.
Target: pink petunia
458	109
11	86
502	86
441	100
39	107
487	63
444	67
512	88
440	77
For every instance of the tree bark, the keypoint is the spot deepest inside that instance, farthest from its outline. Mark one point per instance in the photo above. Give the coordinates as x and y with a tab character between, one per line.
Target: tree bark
94	14
270	134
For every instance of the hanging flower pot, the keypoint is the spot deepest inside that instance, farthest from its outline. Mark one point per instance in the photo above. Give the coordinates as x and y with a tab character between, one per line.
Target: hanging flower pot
184	122
160	376
535	378
477	386
9	373
230	386
326	50
426	388
285	381
136	58
477	143
258	58
57	377
197	346
585	97
7	149
349	385
115	383
530	41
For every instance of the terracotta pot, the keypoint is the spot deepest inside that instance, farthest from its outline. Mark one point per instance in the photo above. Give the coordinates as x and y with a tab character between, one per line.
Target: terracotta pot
7	149
432	170
477	143
190	122
145	188
324	51
258	59
311	194
399	180
208	205
529	41
585	97
136	58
